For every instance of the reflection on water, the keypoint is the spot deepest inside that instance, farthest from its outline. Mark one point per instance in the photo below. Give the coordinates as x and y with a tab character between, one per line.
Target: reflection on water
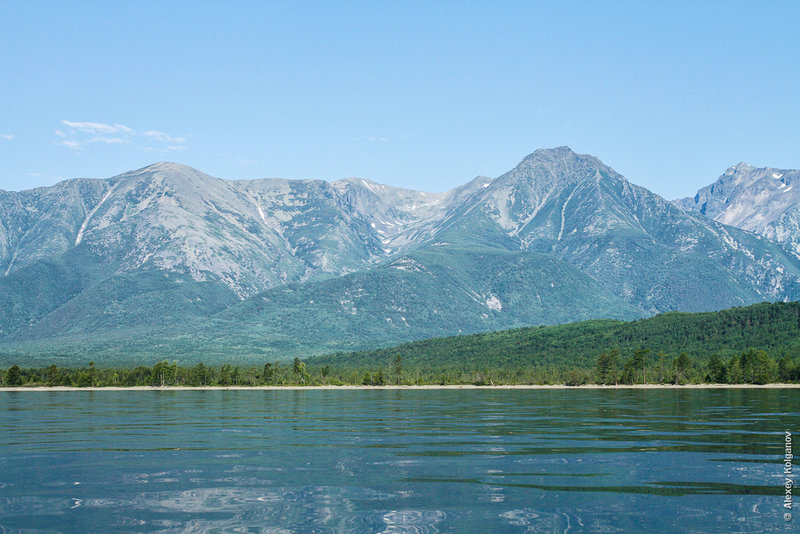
414	461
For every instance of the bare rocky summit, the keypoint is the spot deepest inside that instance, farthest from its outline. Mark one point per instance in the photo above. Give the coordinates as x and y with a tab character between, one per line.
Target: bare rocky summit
762	200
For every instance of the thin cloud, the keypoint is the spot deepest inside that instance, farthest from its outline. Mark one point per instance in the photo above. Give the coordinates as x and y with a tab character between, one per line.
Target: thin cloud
7	137
162	142
164	137
80	135
98	127
74	145
108	140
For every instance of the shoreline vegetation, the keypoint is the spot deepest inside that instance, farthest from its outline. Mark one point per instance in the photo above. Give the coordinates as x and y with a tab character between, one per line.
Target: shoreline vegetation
758	344
753	367
775	385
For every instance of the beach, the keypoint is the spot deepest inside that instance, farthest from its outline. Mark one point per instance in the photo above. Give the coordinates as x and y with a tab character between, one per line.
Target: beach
401	387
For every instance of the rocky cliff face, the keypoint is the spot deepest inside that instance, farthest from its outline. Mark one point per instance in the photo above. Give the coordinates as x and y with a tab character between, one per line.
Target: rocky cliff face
765	201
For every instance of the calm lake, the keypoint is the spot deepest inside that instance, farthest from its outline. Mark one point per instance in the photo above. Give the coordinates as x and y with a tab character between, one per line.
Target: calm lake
396	460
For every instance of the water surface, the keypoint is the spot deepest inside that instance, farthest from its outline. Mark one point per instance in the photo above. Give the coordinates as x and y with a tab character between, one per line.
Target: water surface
395	460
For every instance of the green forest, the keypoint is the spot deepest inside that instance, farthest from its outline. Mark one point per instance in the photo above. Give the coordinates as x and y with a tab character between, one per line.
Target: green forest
756	344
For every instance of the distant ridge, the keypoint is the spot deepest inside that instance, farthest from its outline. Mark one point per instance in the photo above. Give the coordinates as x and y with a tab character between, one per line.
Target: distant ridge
180	260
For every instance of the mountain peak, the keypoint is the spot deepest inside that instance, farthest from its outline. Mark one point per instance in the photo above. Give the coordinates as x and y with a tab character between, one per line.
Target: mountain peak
547	169
562	150
560	155
764	200
167	166
165	170
740	167
549	154
359	182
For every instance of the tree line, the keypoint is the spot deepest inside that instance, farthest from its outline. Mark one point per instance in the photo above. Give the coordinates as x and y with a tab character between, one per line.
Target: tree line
641	366
773	327
749	367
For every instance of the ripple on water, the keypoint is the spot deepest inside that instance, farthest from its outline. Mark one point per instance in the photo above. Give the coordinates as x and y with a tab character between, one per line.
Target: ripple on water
538	521
527	463
412	521
408	521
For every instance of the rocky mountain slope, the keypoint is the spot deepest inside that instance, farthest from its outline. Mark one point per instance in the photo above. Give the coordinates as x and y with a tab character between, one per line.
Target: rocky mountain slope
279	267
762	200
635	243
250	235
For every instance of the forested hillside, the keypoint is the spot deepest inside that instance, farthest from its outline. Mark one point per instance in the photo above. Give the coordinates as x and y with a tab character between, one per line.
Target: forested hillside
756	344
774	328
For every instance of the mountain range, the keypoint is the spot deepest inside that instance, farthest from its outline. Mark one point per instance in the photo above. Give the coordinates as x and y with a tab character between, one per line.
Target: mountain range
762	200
168	262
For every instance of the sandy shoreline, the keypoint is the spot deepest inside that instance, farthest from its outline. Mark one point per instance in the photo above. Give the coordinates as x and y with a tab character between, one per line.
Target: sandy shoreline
455	386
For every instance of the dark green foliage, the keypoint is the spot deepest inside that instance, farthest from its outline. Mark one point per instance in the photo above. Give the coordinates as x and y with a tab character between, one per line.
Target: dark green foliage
299	370
635	369
14	376
711	351
164	373
144	299
640	364
788	369
734	373
28	295
773	327
224	377
680	367
717	371
380	379
757	367
628	372
200	375
269	373
607	367
397	368
576	377
662	366
53	376
90	377
138	375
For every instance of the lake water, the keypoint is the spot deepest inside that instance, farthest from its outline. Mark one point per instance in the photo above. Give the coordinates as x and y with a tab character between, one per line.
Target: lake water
396	460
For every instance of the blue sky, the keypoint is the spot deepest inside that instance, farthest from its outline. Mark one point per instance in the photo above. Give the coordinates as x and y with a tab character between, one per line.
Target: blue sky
424	95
